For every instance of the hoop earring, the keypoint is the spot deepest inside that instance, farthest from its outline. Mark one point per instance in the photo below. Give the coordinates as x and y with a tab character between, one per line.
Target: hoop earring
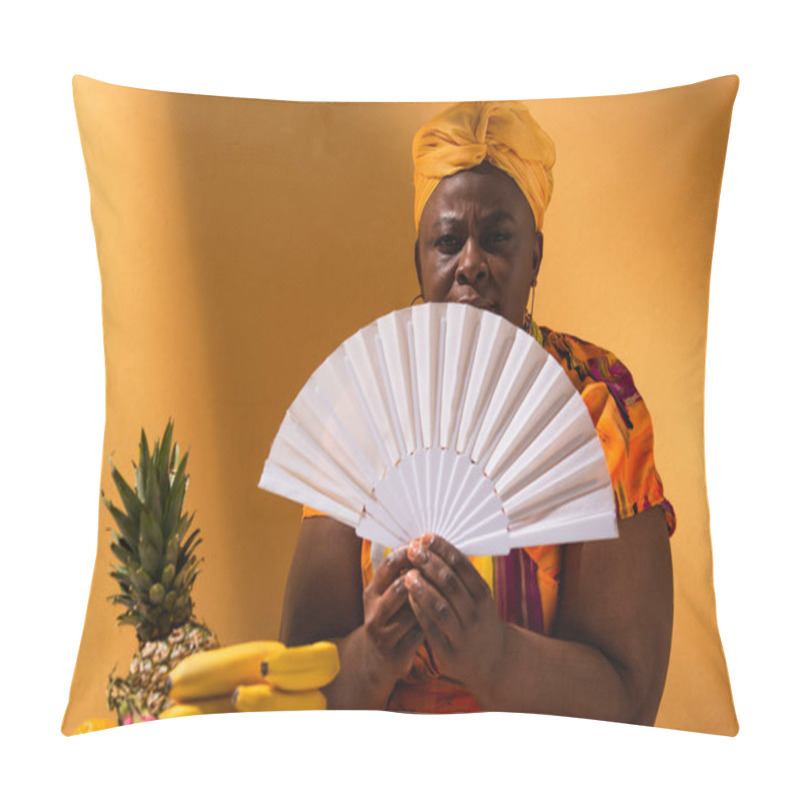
527	320
416	299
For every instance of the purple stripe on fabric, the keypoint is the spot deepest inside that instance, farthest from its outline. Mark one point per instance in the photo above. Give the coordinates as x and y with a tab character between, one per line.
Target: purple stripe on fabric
508	588
533	597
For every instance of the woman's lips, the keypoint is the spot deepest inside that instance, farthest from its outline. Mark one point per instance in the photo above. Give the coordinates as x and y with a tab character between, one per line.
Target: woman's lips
478	302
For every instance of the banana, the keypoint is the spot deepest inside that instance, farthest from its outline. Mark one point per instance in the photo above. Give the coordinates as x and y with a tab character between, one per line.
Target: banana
212	705
263	697
298	669
218	672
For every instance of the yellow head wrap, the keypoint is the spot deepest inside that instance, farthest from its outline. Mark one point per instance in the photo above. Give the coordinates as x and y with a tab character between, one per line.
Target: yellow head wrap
466	134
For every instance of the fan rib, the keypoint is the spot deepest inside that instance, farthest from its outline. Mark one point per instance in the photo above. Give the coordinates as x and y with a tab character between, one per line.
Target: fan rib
551	447
464	505
506	419
395	417
465	383
414	387
453	486
487	544
321	452
446	460
280	481
359	491
493	380
357	452
588	528
372	424
412	373
540	417
546	496
367	412
508	492
465	524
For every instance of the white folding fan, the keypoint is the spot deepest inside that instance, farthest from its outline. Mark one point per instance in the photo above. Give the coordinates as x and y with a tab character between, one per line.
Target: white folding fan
448	419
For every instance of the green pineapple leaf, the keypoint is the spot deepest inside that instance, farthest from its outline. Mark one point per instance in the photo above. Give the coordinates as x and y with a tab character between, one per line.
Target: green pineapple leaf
162	460
168	576
140	580
152	495
184	575
187	551
183	525
125	556
121	578
175	495
142	469
150	559
129	498
150	531
172	551
128	529
130	619
156	594
174	460
189	542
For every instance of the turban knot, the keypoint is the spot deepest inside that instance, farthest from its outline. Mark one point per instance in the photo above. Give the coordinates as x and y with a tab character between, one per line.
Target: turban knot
467	134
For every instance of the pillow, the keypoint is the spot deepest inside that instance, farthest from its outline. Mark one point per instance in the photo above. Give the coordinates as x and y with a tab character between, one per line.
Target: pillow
240	241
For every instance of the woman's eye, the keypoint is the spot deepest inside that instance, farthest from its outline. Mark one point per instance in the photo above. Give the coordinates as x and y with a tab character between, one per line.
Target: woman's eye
447	242
496	237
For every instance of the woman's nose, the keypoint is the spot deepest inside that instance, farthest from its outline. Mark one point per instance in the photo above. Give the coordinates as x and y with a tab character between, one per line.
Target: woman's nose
472	264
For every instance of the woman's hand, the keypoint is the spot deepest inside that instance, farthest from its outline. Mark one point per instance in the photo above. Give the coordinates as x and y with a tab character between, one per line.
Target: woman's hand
455	610
374	628
391	631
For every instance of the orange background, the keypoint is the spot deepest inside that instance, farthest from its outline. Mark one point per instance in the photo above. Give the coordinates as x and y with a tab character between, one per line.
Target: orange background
240	241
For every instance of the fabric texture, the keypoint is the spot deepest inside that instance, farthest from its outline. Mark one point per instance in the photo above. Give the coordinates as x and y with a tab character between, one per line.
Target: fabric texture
525	583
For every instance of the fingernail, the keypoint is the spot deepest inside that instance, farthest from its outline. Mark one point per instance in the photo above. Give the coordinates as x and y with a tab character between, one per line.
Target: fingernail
410	578
413	549
427	539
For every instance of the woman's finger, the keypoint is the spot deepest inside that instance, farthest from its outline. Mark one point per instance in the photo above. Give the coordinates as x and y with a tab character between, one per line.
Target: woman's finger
410	641
460	564
388	570
399	626
440	575
435	615
390	603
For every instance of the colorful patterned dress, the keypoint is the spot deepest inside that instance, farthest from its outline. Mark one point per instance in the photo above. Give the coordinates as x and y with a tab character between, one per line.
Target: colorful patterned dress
525	583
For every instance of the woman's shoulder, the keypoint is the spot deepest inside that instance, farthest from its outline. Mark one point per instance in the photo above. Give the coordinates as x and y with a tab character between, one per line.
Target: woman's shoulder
589	364
621	418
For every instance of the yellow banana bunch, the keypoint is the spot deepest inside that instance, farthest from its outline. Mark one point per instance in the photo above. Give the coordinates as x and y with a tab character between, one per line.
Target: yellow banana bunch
254	676
213	673
212	705
299	669
263	697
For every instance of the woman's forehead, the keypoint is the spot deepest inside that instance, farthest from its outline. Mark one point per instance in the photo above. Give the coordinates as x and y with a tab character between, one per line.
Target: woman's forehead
485	192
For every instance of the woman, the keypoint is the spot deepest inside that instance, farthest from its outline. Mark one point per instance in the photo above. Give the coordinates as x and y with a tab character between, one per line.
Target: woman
579	630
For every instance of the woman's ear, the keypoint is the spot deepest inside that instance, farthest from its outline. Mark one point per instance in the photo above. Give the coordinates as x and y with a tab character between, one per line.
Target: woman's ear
417	264
538	249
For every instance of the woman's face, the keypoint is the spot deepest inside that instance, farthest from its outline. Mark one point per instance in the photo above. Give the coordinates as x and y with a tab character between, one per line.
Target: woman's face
478	243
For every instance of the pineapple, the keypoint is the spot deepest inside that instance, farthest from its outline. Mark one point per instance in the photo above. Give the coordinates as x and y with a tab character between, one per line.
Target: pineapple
156	570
